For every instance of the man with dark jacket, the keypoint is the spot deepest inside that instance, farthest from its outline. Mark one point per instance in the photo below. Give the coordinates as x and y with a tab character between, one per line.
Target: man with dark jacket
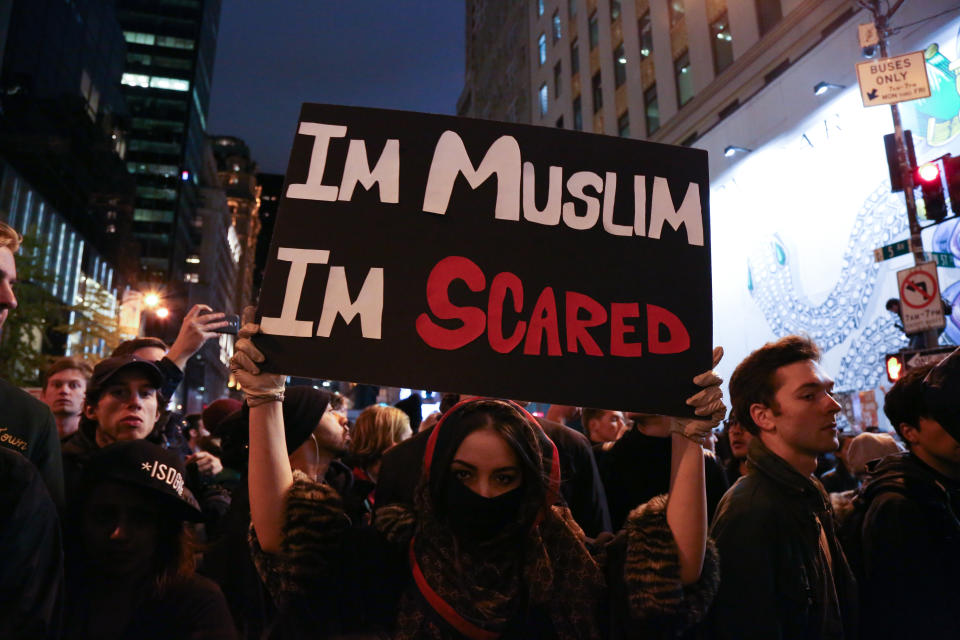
26	424
783	572
907	558
580	484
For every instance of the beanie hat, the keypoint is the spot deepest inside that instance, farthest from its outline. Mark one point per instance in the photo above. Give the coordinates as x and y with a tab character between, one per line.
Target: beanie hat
941	394
147	466
870	446
216	411
303	406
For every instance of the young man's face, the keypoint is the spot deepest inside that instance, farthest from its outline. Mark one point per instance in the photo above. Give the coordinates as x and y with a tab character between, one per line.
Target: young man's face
333	432
938	445
8	276
126	410
804	415
739	440
64	392
608	427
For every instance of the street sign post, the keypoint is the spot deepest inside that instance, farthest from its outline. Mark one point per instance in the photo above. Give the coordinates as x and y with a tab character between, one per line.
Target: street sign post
892	80
892	250
920	305
942	259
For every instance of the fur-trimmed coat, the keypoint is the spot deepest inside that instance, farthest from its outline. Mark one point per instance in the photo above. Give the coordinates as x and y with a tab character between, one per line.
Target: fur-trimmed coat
333	579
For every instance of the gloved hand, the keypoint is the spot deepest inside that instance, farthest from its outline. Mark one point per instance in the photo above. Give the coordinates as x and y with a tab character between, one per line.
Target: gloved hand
707	403
258	387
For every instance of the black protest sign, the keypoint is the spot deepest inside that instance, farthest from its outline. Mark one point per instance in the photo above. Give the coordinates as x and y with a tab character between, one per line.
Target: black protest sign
442	253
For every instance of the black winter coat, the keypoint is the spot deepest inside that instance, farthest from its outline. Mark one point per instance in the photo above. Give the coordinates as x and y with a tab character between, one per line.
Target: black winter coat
776	579
909	545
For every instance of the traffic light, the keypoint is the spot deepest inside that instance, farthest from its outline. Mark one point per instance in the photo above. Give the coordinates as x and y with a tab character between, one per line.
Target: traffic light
951	174
894	366
927	177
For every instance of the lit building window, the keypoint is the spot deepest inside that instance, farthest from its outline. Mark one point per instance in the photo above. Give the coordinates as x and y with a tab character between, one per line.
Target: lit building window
557	71
619	66
175	84
681	71
623	125
577	114
543	99
539	7
651	110
614	9
135	80
542	48
722	42
676	12
192	278
646	35
594	31
139	38
557	32
193	259
174	43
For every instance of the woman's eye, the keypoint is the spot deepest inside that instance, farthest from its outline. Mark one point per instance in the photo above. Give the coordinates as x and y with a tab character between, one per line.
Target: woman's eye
461	474
506	478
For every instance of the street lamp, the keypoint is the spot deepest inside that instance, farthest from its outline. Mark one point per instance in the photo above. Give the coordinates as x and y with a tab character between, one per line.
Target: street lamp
822	87
162	312
151	299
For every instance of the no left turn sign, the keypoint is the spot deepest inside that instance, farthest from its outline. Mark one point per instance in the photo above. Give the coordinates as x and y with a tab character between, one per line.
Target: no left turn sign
920	306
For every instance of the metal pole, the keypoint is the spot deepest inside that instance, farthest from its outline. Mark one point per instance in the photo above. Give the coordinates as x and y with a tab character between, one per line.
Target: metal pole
931	337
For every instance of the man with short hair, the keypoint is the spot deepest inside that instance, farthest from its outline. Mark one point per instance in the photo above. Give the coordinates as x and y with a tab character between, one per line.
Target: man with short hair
26	424
602	425
905	552
784	574
64	387
739	440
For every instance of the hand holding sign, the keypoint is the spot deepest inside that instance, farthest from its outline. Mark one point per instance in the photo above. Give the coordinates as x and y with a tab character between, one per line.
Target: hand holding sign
707	403
257	386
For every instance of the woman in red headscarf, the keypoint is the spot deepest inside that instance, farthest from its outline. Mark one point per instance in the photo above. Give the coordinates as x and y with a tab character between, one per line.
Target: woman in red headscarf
486	551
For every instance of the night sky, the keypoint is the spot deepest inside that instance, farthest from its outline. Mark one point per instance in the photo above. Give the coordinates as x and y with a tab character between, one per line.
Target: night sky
273	56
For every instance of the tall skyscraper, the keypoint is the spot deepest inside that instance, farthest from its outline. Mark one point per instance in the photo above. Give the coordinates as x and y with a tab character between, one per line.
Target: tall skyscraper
166	82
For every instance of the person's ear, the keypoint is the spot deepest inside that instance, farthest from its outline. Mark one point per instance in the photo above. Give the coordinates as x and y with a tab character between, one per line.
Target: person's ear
909	433
762	416
90	411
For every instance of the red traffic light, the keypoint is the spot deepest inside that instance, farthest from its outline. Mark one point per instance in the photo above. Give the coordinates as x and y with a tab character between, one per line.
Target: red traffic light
928	172
894	366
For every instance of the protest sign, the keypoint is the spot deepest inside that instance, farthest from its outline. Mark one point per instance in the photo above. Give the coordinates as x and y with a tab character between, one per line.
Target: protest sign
449	254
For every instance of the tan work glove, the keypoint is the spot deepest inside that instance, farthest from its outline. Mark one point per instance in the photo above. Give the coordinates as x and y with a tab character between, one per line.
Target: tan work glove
258	387
707	402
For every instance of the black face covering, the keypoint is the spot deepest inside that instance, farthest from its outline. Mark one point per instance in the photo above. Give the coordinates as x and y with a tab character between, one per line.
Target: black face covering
476	518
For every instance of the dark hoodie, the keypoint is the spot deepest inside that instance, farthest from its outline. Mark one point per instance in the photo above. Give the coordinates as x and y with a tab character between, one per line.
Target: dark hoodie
910	558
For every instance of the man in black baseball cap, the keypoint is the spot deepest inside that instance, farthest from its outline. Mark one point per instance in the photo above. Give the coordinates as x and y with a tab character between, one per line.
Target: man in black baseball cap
122	403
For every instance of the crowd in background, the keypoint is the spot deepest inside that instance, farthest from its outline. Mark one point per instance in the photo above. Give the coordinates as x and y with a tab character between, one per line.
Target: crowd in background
275	516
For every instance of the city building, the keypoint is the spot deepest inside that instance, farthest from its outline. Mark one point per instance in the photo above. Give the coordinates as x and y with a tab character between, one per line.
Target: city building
271	185
217	266
238	178
166	83
497	62
800	189
63	181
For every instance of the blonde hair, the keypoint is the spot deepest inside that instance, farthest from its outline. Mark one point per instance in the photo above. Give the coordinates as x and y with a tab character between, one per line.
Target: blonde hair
376	429
9	237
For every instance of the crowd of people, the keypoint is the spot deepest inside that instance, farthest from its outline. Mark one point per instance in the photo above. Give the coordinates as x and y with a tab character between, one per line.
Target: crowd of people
272	516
